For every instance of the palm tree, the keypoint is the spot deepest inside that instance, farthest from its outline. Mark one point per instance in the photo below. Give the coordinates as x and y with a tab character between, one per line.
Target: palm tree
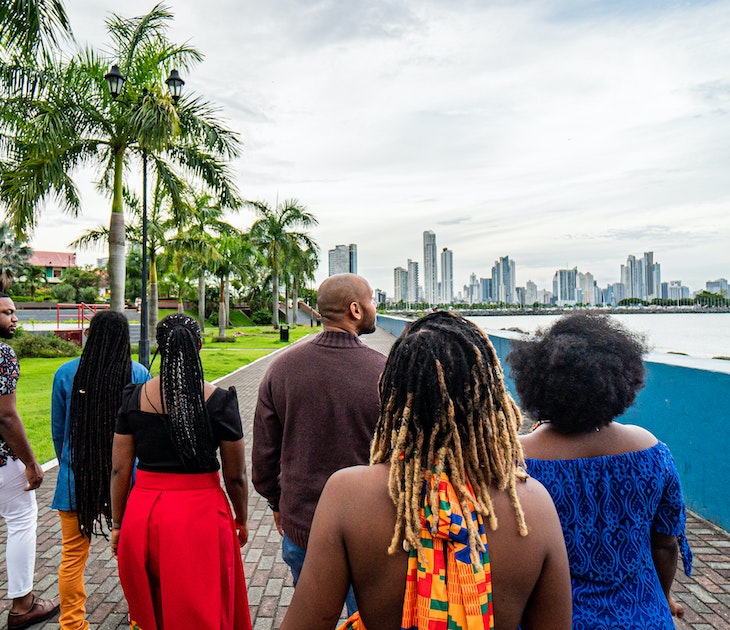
30	26
14	257
302	265
274	234
71	120
34	275
204	224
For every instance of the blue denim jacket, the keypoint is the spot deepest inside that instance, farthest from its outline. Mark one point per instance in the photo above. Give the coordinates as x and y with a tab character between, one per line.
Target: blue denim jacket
65	496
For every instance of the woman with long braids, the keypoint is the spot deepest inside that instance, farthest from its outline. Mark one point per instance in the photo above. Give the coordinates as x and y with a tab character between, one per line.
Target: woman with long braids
444	528
174	536
86	396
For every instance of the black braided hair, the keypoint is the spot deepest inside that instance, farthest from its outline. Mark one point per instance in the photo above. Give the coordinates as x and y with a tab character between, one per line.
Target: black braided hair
104	369
182	390
444	407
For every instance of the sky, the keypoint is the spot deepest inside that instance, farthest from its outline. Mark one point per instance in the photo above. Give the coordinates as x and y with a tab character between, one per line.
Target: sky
559	133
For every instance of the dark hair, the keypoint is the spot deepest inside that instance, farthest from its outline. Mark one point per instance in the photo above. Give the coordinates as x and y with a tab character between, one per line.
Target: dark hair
3	295
580	373
104	368
182	390
444	407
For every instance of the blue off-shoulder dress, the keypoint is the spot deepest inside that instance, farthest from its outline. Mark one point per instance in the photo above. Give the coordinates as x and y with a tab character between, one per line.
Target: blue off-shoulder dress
608	507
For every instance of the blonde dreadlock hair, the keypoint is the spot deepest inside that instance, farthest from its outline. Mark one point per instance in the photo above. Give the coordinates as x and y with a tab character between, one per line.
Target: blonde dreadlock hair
444	408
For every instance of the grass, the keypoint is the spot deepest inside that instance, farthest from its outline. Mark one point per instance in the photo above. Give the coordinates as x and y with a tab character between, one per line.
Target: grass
218	358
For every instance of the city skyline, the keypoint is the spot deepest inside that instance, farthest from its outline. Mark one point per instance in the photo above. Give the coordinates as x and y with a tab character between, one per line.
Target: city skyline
638	277
557	132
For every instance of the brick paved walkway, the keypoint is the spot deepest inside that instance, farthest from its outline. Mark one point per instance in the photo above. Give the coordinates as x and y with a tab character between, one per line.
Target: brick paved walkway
706	595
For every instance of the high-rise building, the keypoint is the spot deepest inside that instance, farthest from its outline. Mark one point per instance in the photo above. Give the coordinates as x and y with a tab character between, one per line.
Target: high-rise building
447	276
530	293
504	280
413	293
642	278
486	289
673	290
564	286
430	269
400	284
586	288
343	259
719	286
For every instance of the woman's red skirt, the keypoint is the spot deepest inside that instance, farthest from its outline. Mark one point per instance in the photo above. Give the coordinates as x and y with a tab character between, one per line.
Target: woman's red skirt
179	559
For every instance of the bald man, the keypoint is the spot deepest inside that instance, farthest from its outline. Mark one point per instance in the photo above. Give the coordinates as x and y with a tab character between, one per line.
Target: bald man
316	413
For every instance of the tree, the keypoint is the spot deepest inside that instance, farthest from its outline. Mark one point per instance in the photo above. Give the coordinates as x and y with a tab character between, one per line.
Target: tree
30	26
203	224
14	257
70	120
33	276
274	234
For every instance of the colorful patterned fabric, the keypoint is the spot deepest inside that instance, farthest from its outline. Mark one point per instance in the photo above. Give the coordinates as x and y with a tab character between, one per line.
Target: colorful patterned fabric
444	589
9	375
607	507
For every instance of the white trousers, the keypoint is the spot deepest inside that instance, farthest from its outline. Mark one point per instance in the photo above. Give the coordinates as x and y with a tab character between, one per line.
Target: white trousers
20	512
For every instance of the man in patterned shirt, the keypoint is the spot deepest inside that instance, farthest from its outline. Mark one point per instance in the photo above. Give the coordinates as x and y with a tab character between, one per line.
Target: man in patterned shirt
20	475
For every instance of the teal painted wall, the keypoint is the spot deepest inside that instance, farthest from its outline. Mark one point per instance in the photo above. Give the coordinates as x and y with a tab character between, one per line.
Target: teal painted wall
685	406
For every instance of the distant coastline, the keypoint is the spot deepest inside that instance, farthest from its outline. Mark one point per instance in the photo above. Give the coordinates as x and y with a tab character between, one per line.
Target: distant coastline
516	310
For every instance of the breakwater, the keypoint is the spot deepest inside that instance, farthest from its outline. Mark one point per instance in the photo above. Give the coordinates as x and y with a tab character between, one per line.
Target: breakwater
685	403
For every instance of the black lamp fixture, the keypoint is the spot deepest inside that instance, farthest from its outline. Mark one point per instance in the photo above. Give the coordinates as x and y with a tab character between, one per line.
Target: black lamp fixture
115	80
175	83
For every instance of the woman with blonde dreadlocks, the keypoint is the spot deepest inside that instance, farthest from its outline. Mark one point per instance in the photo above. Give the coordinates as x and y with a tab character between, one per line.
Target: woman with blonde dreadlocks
175	538
443	529
86	395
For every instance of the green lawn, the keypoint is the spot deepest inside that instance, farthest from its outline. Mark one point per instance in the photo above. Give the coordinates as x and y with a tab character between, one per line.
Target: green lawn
219	359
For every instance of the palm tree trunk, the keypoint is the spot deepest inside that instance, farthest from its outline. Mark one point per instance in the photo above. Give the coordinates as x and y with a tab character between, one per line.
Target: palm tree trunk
117	267
228	299
222	312
295	301
201	303
154	304
275	298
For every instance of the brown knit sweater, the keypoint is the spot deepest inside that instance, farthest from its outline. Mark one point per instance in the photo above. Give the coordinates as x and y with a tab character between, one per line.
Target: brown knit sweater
316	413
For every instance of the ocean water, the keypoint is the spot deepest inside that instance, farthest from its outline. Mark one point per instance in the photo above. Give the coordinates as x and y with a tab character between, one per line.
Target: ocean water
701	335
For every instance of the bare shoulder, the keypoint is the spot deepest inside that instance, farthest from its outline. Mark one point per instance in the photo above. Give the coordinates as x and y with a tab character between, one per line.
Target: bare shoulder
636	437
358	480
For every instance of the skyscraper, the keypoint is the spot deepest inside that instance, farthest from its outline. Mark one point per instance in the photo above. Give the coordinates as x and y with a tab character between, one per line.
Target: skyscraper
642	278
430	272
504	280
343	259
400	285
564	286
447	276
412	281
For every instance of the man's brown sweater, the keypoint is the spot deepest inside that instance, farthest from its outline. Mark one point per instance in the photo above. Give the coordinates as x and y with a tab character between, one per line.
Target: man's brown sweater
316	413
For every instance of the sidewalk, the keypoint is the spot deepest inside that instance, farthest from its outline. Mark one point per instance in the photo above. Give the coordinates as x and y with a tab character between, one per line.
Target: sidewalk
705	596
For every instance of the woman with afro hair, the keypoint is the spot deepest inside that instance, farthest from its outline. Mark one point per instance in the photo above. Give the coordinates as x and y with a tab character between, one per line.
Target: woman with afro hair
615	486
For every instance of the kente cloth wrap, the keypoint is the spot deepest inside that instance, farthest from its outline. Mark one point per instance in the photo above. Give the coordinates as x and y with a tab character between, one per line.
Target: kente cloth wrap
179	560
608	507
445	590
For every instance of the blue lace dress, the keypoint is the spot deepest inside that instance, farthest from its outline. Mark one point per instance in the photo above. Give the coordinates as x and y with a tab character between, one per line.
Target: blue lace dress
608	507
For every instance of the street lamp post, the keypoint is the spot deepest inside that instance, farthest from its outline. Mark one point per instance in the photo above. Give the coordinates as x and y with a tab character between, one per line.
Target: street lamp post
115	80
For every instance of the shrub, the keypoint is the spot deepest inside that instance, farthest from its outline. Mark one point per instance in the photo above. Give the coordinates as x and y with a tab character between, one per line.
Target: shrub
46	346
261	317
64	292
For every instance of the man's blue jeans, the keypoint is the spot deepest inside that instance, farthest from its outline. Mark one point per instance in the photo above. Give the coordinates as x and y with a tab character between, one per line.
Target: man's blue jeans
293	555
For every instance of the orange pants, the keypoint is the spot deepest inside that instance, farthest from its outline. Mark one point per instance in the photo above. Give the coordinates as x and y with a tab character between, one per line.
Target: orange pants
71	589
